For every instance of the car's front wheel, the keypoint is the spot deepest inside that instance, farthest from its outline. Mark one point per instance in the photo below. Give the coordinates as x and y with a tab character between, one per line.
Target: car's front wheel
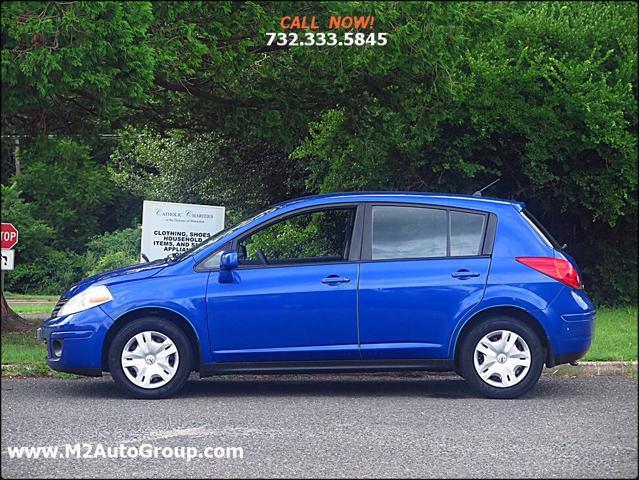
501	357
150	358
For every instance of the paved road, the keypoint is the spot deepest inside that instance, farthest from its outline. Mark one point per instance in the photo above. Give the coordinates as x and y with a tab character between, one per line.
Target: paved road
299	426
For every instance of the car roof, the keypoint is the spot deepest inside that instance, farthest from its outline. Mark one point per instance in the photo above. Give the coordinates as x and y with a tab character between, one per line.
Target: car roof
447	199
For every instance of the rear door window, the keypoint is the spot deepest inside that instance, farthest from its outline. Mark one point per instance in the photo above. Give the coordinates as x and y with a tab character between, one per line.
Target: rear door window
466	233
409	232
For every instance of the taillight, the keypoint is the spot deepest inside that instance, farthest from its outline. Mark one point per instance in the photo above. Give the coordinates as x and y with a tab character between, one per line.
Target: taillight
557	268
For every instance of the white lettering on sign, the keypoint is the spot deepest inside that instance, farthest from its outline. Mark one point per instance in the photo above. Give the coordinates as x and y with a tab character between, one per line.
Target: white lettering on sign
176	227
9	236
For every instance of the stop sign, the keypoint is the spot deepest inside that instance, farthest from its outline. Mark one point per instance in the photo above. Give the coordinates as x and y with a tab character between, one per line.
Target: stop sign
9	236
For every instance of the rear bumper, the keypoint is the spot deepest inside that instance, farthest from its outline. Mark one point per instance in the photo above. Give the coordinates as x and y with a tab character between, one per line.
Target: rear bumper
570	324
564	358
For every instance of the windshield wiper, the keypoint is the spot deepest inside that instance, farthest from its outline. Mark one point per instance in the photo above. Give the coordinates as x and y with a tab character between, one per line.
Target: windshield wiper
173	256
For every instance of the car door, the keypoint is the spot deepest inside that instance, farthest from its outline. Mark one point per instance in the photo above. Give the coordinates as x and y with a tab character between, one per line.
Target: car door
294	295
422	269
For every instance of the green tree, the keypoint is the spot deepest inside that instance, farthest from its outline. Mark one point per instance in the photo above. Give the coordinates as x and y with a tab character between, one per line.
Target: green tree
70	190
203	168
543	96
39	267
36	235
70	67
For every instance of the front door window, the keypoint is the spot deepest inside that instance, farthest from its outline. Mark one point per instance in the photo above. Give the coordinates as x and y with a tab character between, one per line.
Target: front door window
321	236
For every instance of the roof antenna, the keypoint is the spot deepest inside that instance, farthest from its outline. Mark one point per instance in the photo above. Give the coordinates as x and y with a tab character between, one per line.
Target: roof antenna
478	192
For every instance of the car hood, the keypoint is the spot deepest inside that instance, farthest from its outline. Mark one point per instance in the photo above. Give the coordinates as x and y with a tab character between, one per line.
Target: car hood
124	274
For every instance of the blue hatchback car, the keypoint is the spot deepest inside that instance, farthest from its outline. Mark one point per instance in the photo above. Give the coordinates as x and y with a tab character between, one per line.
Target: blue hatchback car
345	282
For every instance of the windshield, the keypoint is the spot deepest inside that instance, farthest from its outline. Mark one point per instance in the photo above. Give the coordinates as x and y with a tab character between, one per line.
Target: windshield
217	236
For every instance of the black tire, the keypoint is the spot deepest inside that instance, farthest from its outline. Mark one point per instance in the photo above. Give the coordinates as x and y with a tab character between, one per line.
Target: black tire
471	338
157	324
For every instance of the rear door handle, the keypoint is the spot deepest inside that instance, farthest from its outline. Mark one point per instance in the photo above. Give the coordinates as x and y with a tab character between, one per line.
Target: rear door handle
463	274
335	279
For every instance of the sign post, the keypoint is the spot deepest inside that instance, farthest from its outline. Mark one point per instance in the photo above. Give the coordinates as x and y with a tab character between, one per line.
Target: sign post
176	227
9	237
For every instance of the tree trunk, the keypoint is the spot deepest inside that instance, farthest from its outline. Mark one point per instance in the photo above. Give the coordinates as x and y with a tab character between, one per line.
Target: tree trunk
16	156
11	321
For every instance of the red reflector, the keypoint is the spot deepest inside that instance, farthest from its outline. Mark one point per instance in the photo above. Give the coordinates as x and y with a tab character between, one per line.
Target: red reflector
557	268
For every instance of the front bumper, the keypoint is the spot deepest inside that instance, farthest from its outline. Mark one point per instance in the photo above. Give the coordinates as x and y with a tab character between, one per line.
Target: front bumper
75	342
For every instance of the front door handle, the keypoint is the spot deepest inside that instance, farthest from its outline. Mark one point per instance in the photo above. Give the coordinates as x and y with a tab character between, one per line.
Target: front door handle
335	279
464	273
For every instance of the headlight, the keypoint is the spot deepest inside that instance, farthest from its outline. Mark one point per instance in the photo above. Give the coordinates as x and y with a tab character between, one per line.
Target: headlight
91	297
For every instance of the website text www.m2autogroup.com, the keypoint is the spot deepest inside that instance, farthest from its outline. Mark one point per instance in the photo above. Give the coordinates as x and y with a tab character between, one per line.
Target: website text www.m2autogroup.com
146	450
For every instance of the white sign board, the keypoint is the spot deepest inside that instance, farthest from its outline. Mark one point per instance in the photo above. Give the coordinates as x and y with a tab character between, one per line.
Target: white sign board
176	227
7	259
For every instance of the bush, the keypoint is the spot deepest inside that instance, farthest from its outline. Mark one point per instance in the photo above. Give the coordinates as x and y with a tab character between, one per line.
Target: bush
111	262
112	250
39	267
35	234
54	271
51	274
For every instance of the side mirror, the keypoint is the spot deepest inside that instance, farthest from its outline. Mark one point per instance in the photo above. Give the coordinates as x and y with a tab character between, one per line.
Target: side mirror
228	261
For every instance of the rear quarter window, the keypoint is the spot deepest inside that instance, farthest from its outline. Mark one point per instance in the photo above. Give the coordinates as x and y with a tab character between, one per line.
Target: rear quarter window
538	227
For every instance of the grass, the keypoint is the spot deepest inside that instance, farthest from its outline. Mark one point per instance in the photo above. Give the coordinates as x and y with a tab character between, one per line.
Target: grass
23	356
615	339
26	303
32	298
615	335
20	309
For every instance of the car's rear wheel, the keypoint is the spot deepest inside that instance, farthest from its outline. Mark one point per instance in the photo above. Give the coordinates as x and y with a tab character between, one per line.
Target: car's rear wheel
150	358
501	357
